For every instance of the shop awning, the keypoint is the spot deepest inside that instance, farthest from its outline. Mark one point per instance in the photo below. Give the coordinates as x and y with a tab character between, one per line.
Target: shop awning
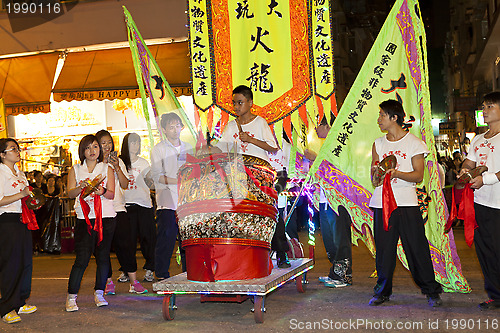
26	82
109	74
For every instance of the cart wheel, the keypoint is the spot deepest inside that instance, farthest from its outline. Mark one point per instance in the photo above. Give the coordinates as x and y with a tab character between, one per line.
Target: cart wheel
168	307
300	282
258	312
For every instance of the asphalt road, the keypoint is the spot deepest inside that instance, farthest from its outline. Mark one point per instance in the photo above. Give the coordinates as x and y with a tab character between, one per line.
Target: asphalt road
318	309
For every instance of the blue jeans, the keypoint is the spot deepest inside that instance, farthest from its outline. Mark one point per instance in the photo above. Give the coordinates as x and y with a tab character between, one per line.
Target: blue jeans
336	234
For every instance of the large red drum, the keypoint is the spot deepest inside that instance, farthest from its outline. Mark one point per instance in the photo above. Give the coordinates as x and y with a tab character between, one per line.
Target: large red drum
227	216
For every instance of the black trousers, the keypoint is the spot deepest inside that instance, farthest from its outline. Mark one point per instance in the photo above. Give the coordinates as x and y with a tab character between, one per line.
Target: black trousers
405	223
487	243
299	216
123	243
143	225
16	262
279	242
167	231
85	246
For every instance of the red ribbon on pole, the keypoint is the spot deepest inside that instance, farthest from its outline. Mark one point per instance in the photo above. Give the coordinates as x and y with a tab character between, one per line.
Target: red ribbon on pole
27	215
98	215
465	212
388	201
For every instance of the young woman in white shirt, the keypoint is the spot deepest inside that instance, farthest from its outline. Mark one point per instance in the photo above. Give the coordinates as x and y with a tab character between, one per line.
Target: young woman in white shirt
138	204
121	239
95	224
16	263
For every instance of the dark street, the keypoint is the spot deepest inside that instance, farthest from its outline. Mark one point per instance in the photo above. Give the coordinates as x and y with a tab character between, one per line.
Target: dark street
318	309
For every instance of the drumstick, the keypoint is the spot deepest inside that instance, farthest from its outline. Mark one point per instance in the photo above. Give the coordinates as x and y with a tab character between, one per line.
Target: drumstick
239	125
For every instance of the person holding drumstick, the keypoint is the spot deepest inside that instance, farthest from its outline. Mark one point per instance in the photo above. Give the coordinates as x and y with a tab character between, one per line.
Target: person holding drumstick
252	136
95	223
250	132
16	262
485	151
406	221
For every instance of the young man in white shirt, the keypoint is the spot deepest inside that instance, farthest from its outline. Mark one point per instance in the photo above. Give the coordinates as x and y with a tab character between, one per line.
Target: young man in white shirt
485	151
166	159
406	221
250	132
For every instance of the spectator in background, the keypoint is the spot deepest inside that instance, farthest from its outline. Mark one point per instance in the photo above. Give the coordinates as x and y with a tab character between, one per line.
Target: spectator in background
52	189
39	181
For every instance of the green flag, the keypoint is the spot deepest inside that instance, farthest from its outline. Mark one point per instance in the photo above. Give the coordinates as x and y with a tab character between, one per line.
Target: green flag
395	68
152	83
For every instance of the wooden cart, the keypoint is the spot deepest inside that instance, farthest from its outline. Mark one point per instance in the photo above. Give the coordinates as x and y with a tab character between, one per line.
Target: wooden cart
238	291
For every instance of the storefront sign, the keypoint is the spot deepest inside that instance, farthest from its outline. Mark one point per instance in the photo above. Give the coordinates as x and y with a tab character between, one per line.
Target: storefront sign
15	109
101	95
447	127
65	119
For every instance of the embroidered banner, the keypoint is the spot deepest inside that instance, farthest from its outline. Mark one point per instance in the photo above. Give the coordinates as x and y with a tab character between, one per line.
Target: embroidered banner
268	46
322	42
395	68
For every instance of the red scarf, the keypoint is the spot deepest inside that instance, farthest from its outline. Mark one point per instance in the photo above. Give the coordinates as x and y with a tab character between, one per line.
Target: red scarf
98	214
388	201
27	215
465	212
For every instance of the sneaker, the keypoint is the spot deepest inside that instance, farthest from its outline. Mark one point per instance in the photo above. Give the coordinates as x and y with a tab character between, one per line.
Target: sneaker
25	309
434	300
110	288
71	303
377	300
99	298
324	279
149	276
336	284
283	260
11	317
137	288
489	305
123	278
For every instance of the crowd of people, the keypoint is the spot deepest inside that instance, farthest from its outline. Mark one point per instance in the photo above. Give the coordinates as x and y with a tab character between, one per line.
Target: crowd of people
114	208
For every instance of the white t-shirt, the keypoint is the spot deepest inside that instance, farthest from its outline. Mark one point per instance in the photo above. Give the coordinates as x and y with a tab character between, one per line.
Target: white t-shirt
404	149
11	184
119	200
82	173
137	191
486	152
257	128
166	161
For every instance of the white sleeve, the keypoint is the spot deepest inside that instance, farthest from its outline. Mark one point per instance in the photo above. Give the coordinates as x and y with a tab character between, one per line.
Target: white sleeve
170	163
2	186
267	134
227	140
419	147
156	164
471	156
123	167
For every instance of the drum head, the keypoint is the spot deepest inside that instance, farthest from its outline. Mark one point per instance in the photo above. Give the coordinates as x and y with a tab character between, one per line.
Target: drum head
387	163
468	176
36	199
